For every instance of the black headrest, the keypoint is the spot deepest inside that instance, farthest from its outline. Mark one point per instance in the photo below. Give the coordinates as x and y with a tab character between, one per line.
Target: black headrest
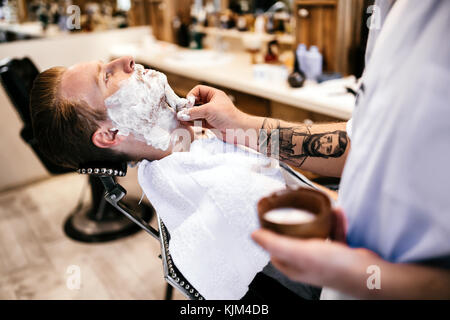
103	169
17	77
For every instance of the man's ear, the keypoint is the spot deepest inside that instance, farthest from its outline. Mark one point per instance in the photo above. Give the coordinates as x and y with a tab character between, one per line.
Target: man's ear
104	138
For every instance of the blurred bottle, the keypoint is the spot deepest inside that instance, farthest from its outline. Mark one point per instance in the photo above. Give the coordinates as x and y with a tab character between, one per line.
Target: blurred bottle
288	59
10	11
273	50
227	20
313	62
260	23
270	25
196	39
44	17
253	44
181	30
297	78
241	23
301	57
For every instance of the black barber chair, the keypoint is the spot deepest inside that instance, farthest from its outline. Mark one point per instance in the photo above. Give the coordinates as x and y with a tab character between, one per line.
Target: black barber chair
100	221
114	193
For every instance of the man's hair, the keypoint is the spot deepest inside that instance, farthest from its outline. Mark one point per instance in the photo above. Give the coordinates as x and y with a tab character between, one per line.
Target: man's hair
63	128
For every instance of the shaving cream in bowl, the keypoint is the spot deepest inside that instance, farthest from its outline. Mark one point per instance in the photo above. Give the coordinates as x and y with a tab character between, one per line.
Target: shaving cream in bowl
302	213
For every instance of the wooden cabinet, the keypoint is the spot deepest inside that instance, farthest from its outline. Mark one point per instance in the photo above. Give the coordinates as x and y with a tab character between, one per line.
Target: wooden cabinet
334	26
140	13
157	13
316	24
158	18
250	104
245	102
162	13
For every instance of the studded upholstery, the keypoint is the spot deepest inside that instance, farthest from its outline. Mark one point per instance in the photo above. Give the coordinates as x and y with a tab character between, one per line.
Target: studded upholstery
173	275
104	169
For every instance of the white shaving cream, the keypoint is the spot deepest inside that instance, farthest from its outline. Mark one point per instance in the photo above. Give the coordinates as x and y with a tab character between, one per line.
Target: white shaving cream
289	216
146	106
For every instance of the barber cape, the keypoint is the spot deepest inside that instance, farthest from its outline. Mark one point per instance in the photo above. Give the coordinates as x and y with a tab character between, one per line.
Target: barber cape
207	199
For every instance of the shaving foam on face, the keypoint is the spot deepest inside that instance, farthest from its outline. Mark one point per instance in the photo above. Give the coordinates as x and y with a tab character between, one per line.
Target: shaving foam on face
145	106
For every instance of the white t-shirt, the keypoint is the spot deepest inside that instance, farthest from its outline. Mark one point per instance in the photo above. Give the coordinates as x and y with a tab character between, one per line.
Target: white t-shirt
395	188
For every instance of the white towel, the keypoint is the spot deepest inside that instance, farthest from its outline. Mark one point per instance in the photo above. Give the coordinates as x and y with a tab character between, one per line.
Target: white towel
207	199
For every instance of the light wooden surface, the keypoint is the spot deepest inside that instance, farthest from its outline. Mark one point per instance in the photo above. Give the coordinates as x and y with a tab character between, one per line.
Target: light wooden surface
35	253
234	72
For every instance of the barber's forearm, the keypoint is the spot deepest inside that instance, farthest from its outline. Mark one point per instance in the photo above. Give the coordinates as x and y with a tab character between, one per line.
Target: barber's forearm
332	165
397	281
318	148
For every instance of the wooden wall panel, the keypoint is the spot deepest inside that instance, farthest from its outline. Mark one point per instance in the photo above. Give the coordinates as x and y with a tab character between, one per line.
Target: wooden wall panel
162	13
349	34
316	24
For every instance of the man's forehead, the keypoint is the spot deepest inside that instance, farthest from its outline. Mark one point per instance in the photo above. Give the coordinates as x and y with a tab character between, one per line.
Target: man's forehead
86	63
79	81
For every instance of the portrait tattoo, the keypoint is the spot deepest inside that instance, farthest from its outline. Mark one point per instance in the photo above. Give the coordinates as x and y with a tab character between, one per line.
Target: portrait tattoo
295	144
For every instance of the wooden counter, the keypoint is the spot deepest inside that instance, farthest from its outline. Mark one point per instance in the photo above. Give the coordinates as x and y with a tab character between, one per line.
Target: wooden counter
233	73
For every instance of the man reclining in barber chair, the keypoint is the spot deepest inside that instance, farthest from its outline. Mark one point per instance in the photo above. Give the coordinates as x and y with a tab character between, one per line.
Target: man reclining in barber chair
120	112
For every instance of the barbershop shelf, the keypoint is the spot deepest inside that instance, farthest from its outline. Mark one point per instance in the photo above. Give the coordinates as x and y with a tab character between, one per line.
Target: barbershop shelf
233	33
234	71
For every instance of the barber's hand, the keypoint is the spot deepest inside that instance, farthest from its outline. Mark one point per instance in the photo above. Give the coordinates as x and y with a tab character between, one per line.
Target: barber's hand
217	111
306	260
315	261
339	226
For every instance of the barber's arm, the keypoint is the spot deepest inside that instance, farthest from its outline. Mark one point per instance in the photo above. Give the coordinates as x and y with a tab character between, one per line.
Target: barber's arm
337	266
319	148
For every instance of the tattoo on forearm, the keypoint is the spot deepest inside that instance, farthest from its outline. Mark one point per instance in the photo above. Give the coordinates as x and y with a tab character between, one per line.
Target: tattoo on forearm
294	144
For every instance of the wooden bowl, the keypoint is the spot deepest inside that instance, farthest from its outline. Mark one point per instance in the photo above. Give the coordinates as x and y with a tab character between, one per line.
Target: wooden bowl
313	201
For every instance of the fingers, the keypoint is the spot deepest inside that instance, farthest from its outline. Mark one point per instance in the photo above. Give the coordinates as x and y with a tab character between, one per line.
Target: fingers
191	101
280	247
185	103
203	94
194	113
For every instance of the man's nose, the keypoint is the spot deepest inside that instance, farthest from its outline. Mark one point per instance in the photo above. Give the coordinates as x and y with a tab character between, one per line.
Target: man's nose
125	63
128	64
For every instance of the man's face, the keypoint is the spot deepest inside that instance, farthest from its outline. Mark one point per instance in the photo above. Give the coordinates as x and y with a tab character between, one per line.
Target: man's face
327	144
94	81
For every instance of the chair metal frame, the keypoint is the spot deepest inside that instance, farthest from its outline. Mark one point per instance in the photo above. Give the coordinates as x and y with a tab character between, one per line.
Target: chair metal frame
114	193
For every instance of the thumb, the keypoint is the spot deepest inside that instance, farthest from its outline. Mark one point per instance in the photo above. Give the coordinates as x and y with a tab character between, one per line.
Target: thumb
193	113
339	231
